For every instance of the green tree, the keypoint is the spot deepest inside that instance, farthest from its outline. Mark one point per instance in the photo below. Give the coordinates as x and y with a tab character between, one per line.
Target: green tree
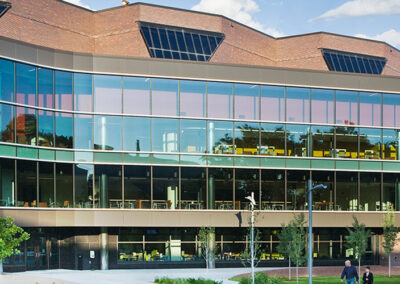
389	235
245	255
11	236
292	241
207	245
357	240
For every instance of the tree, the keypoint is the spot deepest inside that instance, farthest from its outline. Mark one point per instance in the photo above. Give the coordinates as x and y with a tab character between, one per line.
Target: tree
245	255
389	235
207	245
292	241
357	240
11	236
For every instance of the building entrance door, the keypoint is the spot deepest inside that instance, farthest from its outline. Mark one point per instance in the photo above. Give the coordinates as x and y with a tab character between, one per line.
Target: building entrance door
36	252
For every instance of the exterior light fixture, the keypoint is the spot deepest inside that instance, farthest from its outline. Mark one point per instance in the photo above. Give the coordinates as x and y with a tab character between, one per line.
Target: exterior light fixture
4	7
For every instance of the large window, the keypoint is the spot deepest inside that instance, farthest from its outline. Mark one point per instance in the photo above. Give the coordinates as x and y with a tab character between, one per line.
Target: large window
391	110
247	101
46	185
220	100
272	189
165	188
26	184
298	144
346	107
84	186
323	144
83	86
83	131
45	87
46	128
64	130
193	188
272	139
370	109
7	180
346	191
298	104
391	191
246	182
26	84
6	123
165	134
137	187
136	133
297	189
64	185
370	143
323	199
136	95
6	80
107	133
63	94
220	137
322	106
193	98
220	188
272	103
26	125
247	138
346	142
108	186
370	191
193	136
165	97
107	93
390	144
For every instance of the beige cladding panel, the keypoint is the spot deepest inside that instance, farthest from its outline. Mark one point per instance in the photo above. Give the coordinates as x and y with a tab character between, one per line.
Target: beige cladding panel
178	218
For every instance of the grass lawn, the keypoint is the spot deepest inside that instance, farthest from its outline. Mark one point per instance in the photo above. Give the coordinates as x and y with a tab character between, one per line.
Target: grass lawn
335	279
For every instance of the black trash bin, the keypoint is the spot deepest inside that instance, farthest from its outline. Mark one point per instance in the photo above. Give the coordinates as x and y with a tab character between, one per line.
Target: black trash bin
80	262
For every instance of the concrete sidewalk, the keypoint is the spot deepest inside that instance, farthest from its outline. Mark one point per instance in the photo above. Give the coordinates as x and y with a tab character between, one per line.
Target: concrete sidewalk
137	276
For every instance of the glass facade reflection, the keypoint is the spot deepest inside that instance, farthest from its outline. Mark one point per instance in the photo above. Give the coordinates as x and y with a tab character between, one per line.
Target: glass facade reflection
87	141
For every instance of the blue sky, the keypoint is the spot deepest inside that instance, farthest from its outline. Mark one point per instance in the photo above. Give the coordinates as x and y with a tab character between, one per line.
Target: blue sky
375	19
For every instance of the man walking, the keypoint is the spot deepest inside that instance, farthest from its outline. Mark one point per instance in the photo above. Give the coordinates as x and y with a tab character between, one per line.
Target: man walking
350	272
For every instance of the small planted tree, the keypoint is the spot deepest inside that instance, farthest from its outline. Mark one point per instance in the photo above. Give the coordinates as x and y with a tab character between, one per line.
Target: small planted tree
357	240
207	245
389	235
293	241
245	255
11	236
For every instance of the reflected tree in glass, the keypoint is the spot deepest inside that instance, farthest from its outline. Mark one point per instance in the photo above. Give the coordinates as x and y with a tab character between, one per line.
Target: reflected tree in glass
323	144
247	138
390	144
298	144
347	142
7	123
64	130
220	137
370	143
272	139
26	125
46	128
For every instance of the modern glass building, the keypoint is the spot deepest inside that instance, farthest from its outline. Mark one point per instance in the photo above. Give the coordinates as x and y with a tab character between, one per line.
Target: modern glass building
115	159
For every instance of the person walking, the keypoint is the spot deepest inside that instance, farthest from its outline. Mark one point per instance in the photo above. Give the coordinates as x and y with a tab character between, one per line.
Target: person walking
368	277
350	272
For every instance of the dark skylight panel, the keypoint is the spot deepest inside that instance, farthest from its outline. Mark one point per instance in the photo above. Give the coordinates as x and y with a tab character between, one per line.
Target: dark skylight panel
179	43
353	63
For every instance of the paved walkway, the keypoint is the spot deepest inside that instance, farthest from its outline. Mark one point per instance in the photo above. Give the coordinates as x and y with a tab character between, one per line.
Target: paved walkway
131	276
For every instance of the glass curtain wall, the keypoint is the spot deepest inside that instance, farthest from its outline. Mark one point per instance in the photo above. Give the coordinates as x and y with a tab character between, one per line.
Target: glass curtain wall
137	187
193	188
220	188
46	185
347	191
7	180
108	186
165	188
26	184
246	182
64	185
297	189
272	189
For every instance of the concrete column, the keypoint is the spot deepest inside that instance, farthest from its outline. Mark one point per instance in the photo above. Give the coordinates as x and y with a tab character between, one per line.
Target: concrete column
103	248
211	192
104	191
211	245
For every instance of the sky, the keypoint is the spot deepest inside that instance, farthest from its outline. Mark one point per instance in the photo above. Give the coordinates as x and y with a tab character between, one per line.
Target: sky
373	19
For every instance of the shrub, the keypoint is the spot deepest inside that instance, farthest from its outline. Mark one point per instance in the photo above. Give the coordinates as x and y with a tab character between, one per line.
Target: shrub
261	278
166	280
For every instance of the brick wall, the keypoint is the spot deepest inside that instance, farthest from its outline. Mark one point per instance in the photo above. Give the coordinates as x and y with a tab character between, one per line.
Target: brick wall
58	25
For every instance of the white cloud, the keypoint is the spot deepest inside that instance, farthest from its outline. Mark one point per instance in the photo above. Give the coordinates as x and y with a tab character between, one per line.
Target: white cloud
357	8
78	2
239	10
391	36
